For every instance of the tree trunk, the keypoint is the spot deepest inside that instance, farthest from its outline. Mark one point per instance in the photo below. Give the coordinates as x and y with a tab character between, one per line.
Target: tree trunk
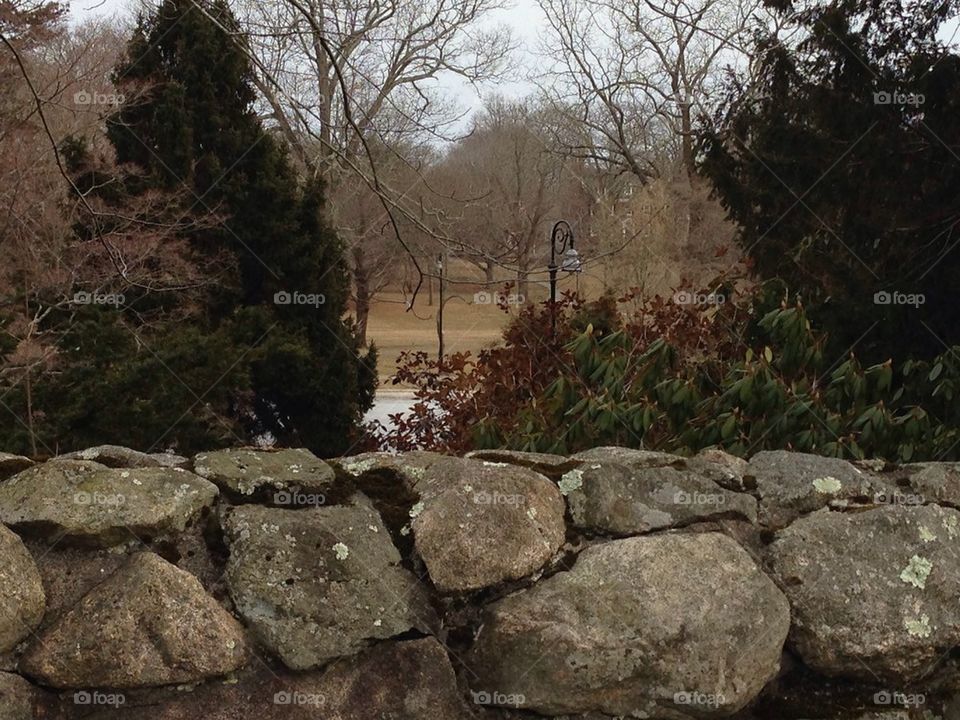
523	285
28	383
683	191
686	129
523	269
28	380
361	283
440	344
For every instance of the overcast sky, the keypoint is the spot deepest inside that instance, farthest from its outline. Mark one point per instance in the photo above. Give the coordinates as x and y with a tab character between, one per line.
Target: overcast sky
524	18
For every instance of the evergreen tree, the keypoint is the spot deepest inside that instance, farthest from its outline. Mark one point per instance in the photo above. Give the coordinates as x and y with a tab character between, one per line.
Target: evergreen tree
263	349
197	126
839	164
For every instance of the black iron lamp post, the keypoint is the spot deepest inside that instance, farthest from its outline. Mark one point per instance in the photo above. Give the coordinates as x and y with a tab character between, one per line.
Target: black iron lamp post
561	243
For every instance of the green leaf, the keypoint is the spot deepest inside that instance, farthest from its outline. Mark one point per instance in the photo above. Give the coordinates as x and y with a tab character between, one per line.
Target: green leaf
729	427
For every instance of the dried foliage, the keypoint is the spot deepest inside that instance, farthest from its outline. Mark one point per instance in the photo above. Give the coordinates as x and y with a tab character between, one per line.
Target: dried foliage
468	401
746	375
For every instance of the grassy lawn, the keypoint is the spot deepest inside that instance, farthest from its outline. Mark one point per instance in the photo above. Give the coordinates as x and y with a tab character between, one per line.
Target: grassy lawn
466	327
467	324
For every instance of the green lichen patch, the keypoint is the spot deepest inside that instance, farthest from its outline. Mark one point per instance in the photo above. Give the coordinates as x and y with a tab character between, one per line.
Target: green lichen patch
926	535
827	485
918	627
917	571
358	467
571	481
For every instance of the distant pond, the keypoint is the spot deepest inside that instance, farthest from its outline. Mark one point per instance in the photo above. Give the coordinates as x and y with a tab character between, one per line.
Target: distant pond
390	402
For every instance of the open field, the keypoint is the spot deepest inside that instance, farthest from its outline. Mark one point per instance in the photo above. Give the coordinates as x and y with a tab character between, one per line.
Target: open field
468	325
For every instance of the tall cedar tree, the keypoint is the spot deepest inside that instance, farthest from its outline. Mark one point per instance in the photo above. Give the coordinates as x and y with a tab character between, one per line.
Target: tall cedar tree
841	164
198	127
261	367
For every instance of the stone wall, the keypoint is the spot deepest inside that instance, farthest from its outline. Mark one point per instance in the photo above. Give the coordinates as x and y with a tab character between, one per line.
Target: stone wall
251	585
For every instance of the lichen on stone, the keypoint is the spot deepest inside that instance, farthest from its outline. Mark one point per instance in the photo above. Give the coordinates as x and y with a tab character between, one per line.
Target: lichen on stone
918	627
827	485
917	571
247	486
341	551
359	467
571	481
926	535
415	472
416	509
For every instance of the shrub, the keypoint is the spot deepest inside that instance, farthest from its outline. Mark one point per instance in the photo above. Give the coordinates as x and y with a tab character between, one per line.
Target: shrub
741	375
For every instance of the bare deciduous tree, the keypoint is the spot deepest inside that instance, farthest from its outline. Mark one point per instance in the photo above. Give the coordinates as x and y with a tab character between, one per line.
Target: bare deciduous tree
340	77
632	73
507	186
391	56
60	231
628	80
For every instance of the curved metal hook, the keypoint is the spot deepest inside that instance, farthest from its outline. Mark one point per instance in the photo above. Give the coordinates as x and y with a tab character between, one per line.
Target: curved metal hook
563	232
